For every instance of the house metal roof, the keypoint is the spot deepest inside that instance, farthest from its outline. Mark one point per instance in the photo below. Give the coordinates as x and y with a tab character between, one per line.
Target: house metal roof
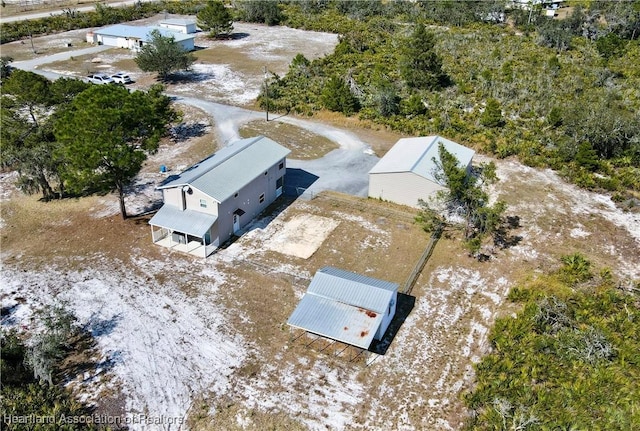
344	306
177	21
222	174
142	33
187	221
416	155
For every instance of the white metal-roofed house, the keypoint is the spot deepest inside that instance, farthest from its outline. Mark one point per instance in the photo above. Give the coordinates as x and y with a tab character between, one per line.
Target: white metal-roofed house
346	307
212	200
179	25
407	172
134	38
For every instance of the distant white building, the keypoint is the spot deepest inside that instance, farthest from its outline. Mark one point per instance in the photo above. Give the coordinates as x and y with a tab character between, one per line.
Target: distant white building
531	4
407	172
179	25
134	38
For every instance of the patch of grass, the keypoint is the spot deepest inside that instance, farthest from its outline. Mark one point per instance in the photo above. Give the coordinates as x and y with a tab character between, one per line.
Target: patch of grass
232	416
40	232
238	60
304	145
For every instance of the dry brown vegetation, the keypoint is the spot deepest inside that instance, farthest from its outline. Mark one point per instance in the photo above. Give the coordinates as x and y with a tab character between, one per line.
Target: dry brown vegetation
303	144
283	383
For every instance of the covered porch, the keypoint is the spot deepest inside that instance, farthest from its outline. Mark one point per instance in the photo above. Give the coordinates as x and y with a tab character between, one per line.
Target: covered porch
186	231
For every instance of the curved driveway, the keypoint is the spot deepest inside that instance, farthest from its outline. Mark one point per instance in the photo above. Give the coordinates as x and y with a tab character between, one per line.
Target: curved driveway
344	169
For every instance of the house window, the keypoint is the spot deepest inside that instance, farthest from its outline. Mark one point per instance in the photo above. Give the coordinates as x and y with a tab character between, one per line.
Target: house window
279	182
261	198
203	203
281	165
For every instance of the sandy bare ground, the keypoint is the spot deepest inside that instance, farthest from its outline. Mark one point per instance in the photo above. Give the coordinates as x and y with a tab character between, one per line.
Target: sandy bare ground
205	341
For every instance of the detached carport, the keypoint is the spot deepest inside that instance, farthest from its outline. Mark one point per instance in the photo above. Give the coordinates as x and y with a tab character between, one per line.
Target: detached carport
346	307
184	230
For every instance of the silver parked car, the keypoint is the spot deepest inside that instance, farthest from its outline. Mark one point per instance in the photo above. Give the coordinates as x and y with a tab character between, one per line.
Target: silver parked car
100	79
121	78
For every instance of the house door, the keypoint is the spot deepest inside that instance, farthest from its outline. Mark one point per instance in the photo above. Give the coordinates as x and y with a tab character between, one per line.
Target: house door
236	223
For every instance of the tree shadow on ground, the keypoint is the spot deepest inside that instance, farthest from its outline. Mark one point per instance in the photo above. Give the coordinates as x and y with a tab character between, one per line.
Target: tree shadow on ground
188	77
185	131
403	309
503	237
84	358
7	312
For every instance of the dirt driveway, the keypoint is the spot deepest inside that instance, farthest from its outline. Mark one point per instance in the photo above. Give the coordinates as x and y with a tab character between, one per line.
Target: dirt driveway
206	341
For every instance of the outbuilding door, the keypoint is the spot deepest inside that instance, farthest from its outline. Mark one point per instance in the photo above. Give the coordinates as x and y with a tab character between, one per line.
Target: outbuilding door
236	223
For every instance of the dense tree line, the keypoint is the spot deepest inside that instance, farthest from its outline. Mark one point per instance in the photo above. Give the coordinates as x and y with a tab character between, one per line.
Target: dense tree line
570	359
458	69
68	137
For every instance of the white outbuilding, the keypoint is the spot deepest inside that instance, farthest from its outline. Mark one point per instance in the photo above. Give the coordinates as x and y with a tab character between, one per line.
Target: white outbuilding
346	307
186	26
134	37
407	173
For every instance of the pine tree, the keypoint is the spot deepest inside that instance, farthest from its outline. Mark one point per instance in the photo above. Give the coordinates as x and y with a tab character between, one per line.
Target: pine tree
420	66
216	19
106	133
336	96
464	197
492	115
163	55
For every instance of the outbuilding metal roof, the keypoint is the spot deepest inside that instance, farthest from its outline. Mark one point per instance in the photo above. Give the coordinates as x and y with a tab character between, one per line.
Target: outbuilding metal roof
416	155
142	33
343	306
190	222
230	169
178	21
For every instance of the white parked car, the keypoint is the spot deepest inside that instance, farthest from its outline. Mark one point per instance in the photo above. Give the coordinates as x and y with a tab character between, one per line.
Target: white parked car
100	79
121	78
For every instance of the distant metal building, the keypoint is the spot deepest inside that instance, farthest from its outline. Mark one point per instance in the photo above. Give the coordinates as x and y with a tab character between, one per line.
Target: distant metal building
407	172
178	25
134	37
346	307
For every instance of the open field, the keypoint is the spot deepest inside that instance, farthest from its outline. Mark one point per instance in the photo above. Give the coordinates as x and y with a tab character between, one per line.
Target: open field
206	341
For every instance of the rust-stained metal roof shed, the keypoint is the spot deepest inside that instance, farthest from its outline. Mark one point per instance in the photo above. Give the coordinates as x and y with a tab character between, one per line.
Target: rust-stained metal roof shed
346	307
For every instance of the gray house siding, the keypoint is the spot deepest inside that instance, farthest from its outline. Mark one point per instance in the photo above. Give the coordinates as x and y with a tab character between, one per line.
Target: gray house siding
248	200
235	184
401	187
194	201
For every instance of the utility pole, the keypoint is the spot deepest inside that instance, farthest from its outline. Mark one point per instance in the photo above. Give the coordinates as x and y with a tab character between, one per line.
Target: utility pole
266	91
